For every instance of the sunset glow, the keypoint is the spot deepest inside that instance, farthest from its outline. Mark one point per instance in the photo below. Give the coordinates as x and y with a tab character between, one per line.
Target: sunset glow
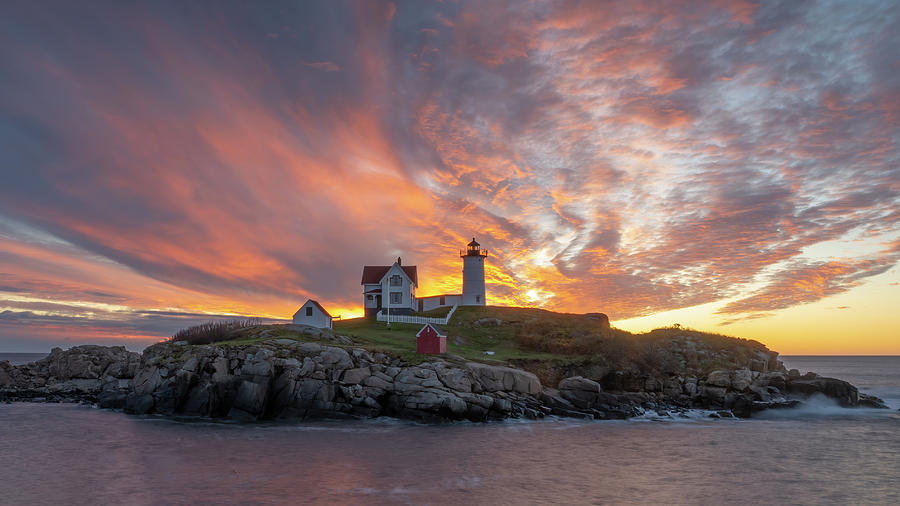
729	166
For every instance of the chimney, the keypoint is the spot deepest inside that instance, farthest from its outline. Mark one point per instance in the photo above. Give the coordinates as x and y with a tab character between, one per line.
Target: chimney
399	262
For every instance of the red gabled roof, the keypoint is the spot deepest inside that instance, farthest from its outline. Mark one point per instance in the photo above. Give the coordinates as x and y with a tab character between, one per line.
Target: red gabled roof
372	274
438	330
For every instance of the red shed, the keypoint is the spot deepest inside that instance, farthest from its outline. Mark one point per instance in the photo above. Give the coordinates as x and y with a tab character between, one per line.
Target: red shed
431	340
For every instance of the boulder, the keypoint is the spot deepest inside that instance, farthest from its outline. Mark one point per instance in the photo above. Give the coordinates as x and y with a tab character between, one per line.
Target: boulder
772	379
376	381
714	395
454	378
139	404
336	358
741	379
719	378
146	381
844	393
6	374
261	366
355	376
249	401
581	392
498	378
870	401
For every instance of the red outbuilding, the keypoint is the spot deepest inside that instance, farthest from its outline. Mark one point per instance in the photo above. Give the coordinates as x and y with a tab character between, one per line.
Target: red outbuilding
431	340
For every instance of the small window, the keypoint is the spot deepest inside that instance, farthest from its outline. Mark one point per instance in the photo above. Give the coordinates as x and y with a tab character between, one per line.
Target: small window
478	299
396	298
368	297
443	301
396	280
309	311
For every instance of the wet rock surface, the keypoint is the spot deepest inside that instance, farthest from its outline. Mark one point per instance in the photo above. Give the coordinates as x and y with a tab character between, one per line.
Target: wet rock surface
290	379
79	374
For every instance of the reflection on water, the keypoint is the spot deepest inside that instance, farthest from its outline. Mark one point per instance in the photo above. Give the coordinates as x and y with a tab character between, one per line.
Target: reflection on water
66	454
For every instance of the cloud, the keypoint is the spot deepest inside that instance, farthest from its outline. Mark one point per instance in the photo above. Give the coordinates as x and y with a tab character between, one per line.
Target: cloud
803	284
631	159
325	66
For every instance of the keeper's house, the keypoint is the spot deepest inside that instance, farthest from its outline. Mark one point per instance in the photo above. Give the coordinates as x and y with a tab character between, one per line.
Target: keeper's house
389	288
392	288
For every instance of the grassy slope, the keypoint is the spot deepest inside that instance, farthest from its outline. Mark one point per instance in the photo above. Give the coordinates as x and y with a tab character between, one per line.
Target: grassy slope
535	335
464	339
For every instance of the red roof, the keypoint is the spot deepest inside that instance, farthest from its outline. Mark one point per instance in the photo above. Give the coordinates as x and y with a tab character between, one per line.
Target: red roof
437	330
372	274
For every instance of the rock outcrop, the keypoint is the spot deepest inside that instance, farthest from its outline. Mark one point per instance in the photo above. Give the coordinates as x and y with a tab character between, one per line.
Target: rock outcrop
80	374
289	379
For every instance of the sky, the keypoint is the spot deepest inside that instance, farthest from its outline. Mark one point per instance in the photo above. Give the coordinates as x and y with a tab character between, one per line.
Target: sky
730	165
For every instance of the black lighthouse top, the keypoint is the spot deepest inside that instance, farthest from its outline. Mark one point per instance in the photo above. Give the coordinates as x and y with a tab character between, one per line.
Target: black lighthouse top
473	249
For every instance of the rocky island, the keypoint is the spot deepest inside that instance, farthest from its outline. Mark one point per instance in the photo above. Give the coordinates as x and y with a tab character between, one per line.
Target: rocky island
545	364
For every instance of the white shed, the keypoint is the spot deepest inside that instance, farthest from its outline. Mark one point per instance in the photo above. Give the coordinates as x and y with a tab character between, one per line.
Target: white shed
312	313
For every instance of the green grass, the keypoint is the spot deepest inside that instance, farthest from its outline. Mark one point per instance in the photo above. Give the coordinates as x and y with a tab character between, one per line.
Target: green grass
399	339
529	335
464	338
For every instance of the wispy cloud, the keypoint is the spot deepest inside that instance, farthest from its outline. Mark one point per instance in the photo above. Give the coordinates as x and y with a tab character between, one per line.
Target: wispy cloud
632	159
325	66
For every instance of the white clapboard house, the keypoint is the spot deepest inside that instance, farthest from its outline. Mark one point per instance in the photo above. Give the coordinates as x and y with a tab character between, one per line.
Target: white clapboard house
312	313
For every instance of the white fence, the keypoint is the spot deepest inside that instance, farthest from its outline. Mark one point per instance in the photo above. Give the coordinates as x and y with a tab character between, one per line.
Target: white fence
397	318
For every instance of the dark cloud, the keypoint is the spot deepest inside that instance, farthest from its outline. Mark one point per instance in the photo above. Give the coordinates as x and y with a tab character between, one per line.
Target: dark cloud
645	157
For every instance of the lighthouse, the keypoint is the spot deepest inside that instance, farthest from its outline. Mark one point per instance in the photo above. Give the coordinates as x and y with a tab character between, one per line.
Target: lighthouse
473	274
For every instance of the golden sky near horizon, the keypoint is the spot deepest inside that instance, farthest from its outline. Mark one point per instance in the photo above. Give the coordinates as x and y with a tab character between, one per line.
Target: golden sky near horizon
728	166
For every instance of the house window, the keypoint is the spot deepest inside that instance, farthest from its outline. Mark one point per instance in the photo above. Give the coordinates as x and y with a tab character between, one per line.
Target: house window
442	300
396	280
368	297
309	311
478	299
396	298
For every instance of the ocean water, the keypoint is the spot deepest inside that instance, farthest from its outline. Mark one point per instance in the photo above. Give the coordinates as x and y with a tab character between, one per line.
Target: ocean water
875	375
68	454
21	358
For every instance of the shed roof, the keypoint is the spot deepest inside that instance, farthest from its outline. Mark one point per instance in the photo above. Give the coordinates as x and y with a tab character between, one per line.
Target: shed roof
373	273
316	303
440	331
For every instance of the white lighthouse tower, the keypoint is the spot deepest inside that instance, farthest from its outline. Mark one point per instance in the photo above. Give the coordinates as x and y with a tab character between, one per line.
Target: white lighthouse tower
473	274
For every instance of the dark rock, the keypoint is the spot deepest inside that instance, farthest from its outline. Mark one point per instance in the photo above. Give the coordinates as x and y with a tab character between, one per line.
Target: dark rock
714	396
581	392
139	404
282	379
844	393
249	402
743	406
112	399
870	401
